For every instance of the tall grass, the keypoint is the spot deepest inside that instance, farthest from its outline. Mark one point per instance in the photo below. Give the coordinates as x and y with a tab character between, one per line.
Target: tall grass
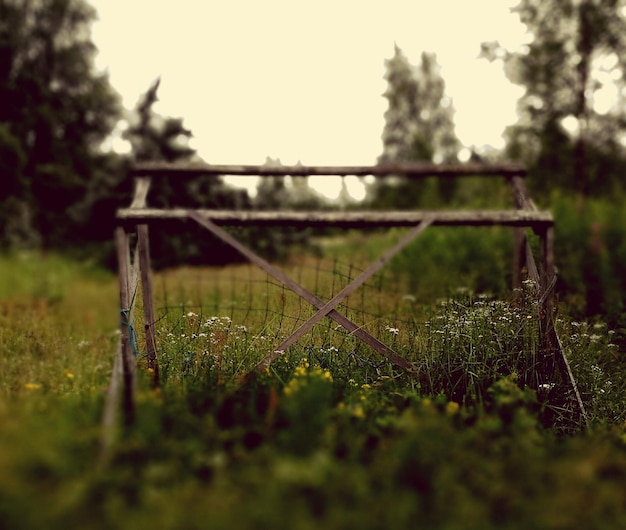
330	434
442	259
57	325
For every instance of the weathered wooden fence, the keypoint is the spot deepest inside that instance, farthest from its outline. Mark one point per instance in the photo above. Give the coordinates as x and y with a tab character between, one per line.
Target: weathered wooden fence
134	221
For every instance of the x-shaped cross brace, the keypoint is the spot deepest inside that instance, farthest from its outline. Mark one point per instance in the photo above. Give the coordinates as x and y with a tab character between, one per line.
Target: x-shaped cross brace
324	309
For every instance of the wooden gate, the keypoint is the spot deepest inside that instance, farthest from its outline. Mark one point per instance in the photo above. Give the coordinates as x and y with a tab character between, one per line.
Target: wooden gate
136	219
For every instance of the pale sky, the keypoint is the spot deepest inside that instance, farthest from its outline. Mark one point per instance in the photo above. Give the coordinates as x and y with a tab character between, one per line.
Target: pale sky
303	81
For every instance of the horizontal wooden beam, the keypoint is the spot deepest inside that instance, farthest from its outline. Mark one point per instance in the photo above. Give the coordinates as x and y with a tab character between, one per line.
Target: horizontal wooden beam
410	170
351	219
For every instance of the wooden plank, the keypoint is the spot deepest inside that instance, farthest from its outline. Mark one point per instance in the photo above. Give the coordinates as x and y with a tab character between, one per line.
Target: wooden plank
111	404
519	257
410	170
353	219
148	303
547	251
531	267
128	369
548	272
133	280
522	252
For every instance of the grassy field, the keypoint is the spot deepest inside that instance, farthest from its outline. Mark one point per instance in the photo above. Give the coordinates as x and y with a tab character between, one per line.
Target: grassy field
332	435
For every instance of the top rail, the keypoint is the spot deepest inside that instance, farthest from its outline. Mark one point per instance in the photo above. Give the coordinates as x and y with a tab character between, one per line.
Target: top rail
155	169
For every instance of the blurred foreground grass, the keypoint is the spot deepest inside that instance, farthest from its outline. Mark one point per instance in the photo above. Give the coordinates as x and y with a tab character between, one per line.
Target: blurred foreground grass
303	445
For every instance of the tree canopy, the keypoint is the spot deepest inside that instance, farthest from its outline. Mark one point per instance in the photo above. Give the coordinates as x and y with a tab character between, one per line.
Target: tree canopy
56	111
419	123
419	127
567	133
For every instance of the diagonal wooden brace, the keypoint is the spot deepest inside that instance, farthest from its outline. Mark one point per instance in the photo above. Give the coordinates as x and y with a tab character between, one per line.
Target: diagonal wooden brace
346	291
325	309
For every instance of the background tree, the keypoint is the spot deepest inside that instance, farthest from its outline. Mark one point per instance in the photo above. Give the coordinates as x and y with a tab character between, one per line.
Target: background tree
281	193
154	138
55	113
567	134
157	138
570	134
419	127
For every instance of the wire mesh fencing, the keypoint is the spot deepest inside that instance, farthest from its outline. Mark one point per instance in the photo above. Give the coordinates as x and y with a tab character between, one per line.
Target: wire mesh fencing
224	320
215	324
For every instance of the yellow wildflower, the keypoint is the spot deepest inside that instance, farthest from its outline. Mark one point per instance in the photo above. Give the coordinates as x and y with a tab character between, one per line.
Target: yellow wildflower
428	405
358	412
452	408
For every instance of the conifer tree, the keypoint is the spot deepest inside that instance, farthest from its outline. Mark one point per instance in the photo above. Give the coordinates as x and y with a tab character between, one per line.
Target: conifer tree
419	127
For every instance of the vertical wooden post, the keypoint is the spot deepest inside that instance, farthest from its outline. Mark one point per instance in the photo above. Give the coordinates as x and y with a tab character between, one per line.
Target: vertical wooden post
546	294
519	234
111	404
519	258
148	303
128	361
548	270
142	186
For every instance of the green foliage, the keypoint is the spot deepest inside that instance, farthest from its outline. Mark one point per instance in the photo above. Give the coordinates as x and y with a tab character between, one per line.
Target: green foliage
472	343
55	113
306	408
567	135
296	444
596	359
57	327
443	259
590	251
